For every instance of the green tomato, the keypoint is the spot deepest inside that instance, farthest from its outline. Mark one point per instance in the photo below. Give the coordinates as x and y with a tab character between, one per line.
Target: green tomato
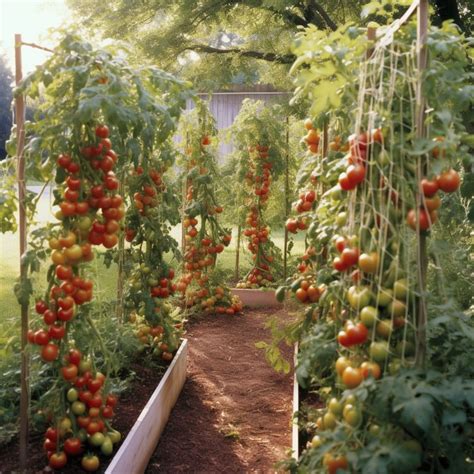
115	436
394	366
78	408
384	157
329	421
384	297
82	435
85	365
369	316
316	442
84	223
335	406
358	297
72	395
341	219
374	430
107	447
384	328
379	351
335	193
400	289
97	439
152	282
352	416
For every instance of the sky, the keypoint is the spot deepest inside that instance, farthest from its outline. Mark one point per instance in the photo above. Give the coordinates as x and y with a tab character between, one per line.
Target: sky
32	19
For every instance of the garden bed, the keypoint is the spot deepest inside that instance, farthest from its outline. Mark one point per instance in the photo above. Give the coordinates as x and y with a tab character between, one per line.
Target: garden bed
129	412
257	298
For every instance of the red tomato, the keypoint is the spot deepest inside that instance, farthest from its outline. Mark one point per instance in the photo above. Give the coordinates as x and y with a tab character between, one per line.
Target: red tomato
56	331
50	352
111	400
64	160
41	337
345	183
350	256
41	307
355	174
90	463
67	208
357	334
69	372
64	272
449	181
73	446
74	356
102	131
73	168
428	187
82	208
340	243
425	219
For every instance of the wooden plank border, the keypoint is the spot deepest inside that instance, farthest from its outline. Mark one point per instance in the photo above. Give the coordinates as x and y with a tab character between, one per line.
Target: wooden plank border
139	445
295	432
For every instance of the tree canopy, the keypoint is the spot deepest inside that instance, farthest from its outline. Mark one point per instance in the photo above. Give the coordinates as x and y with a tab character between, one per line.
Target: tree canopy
245	41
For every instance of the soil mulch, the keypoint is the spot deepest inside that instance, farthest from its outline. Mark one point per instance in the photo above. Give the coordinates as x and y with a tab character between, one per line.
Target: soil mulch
234	413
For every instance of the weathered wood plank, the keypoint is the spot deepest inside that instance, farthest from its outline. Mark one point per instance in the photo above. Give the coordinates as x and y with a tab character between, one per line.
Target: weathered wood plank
139	445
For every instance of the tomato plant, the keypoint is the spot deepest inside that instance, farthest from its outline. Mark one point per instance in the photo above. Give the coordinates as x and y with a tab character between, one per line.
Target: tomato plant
204	237
260	156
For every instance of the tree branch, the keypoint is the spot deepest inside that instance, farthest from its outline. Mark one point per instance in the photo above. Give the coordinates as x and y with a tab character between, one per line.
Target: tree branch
323	14
272	57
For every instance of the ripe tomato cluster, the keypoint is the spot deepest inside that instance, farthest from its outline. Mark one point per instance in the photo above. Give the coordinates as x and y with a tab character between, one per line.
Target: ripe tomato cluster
204	239
448	182
358	152
258	179
90	215
86	423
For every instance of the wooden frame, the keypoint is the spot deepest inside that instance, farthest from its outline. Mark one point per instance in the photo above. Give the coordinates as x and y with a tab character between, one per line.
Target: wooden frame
256	298
139	445
295	432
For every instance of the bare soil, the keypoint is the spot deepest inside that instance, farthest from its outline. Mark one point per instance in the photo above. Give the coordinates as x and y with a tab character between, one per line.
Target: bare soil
234	414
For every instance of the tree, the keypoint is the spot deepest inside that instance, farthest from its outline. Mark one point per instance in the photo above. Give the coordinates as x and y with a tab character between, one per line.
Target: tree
242	41
6	79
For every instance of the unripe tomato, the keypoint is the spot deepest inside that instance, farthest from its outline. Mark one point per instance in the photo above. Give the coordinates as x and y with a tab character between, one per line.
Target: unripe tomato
341	364
58	460
352	377
90	463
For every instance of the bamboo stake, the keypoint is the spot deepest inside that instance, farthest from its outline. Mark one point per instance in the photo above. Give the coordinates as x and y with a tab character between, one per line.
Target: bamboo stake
422	56
20	136
287	198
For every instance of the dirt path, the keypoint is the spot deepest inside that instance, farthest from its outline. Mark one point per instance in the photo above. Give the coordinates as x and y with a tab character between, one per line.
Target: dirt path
234	413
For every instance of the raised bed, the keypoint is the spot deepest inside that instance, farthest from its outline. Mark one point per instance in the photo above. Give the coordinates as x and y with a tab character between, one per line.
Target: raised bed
256	298
139	445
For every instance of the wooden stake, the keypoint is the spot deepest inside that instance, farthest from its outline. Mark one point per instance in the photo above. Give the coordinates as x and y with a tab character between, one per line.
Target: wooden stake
287	198
422	56
20	136
121	257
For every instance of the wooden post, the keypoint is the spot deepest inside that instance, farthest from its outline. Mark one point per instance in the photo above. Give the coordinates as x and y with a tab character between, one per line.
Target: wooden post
20	136
287	198
371	30
422	56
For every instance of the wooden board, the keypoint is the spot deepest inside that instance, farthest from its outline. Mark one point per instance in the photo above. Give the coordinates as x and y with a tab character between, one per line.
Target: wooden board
139	445
256	298
295	434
